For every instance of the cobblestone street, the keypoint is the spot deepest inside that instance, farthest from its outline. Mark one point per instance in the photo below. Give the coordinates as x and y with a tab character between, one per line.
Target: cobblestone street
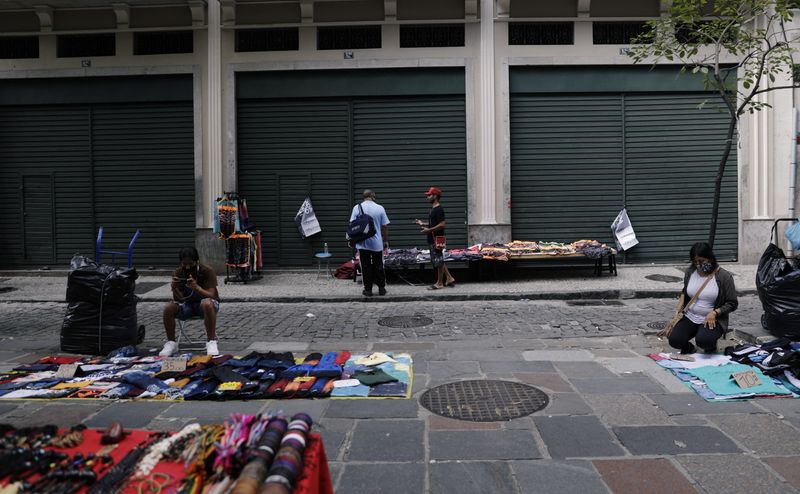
37	325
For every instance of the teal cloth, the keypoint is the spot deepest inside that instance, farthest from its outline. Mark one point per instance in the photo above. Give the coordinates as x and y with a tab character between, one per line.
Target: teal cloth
719	380
359	390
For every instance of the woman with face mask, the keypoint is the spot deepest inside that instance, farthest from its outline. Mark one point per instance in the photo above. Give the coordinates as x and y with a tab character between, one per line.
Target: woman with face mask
709	295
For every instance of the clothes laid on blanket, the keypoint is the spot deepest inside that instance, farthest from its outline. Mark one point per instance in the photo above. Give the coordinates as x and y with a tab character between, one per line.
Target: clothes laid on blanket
773	358
258	375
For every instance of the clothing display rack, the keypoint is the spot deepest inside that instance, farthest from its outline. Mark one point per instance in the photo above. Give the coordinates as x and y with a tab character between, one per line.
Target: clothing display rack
243	258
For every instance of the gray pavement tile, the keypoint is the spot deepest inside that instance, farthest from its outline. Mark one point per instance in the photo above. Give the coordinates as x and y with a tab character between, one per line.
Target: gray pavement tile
62	414
7	407
602	352
763	434
387	440
626	410
484	355
167	425
482	445
650	475
689	420
559	355
563	477
213	411
508	368
549	380
674	440
629	383
584	370
691	404
472	477
452	371
332	441
566	404
576	437
131	415
367	409
788	408
314	408
402	346
714	474
382	478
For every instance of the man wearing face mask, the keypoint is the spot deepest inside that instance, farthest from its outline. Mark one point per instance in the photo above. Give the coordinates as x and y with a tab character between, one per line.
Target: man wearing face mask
194	293
709	295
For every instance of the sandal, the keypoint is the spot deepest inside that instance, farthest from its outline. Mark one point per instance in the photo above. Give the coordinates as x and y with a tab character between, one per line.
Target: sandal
434	287
452	284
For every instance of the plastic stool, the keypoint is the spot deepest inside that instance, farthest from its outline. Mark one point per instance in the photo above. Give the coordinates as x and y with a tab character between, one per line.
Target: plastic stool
182	333
323	257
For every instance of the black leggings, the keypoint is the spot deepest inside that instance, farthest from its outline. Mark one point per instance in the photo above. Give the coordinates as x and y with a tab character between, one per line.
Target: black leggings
685	330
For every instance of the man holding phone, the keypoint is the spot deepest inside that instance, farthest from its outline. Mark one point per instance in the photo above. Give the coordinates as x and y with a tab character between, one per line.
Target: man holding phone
434	230
194	293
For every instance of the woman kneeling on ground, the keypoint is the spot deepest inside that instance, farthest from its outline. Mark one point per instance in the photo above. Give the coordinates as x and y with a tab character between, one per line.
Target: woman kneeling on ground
708	296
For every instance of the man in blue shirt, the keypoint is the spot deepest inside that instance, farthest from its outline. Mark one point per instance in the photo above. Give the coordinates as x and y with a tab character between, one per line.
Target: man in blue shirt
371	250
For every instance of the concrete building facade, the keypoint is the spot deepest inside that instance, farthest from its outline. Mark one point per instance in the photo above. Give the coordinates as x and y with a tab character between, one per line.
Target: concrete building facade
530	115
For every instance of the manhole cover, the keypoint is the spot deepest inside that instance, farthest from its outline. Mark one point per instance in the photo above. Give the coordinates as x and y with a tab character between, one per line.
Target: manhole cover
484	401
657	325
594	302
405	321
663	277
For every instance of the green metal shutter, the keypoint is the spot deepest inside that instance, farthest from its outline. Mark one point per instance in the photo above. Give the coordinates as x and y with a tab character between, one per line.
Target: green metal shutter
566	166
672	155
143	157
289	150
402	146
44	143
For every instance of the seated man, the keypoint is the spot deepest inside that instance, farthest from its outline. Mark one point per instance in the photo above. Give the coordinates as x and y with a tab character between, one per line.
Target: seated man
194	290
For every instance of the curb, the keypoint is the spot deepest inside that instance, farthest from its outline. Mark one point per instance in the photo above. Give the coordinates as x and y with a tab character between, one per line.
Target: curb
456	297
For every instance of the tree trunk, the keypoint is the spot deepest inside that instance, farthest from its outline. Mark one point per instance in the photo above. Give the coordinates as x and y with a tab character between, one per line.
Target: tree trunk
712	232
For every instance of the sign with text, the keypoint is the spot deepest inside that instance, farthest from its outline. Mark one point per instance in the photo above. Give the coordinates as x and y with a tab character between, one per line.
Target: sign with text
173	364
746	379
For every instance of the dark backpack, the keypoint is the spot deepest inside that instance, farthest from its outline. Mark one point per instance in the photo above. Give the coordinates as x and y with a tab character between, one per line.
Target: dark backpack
361	228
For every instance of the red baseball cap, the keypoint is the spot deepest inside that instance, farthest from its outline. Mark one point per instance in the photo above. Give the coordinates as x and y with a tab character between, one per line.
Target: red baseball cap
434	191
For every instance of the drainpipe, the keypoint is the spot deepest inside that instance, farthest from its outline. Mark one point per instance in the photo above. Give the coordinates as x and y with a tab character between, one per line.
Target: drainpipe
793	172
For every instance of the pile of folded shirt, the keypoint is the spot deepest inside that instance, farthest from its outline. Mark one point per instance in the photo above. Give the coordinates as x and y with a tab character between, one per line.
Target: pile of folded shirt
522	248
401	257
556	248
779	358
591	248
494	252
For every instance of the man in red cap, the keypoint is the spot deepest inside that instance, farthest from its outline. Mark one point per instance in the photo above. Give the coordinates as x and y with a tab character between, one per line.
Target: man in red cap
436	239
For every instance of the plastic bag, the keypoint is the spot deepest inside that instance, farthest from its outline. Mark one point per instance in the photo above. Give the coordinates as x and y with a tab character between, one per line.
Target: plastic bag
792	233
778	285
88	279
84	332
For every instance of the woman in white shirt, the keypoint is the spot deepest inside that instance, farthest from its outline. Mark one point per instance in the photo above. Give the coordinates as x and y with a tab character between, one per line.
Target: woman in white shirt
705	319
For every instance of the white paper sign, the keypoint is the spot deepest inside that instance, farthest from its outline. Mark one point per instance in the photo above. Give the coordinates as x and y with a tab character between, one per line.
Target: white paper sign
623	231
306	220
66	371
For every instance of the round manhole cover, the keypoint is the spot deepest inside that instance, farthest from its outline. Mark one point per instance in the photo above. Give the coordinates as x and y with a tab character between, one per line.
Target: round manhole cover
484	401
657	325
663	277
405	321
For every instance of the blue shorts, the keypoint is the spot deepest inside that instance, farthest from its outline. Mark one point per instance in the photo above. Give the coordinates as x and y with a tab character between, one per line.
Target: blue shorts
191	309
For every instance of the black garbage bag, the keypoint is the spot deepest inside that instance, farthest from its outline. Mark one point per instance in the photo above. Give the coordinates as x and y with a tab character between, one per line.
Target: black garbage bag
778	285
83	331
87	280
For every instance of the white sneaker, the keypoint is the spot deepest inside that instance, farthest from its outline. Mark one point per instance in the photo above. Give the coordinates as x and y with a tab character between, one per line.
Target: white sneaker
169	349
211	348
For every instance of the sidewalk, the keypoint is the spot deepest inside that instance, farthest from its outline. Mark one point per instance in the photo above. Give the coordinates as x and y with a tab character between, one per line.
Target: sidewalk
303	286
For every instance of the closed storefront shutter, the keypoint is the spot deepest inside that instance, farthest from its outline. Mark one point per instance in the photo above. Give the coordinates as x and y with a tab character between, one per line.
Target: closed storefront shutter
672	155
143	157
329	135
44	184
403	146
566	179
290	150
578	158
119	153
